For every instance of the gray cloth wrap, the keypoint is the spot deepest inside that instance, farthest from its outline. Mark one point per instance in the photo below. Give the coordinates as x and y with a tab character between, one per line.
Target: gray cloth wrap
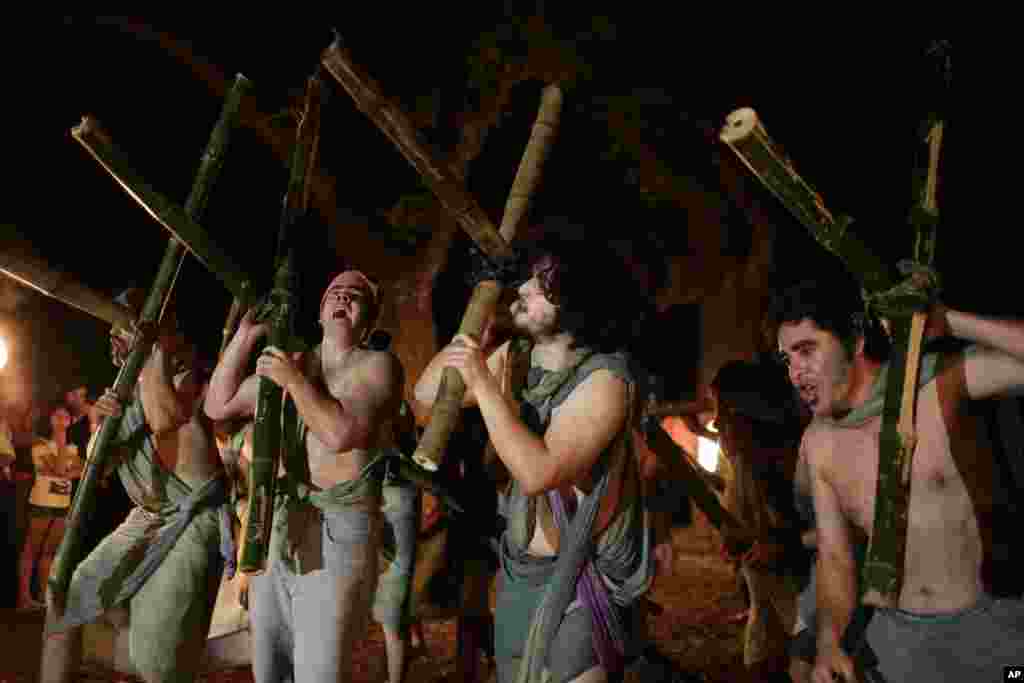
166	506
621	556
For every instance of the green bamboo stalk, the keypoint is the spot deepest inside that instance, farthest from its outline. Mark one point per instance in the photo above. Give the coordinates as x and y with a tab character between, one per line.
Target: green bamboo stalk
884	562
270	428
746	136
178	221
83	506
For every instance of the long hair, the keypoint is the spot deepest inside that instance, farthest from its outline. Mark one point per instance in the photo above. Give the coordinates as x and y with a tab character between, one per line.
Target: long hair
600	302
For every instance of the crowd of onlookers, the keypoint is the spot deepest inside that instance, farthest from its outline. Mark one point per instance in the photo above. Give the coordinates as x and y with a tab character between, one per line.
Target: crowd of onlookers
42	456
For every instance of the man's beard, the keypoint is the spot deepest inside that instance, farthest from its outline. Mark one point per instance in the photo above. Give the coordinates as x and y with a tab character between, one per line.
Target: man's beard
521	323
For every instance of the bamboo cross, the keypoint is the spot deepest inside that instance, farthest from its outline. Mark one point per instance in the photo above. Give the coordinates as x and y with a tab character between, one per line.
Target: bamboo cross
396	125
209	169
448	188
482	304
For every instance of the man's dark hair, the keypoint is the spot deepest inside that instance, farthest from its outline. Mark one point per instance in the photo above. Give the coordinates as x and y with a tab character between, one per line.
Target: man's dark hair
599	300
835	306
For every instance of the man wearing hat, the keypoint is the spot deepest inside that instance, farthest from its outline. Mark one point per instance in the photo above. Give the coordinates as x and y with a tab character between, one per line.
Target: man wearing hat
313	602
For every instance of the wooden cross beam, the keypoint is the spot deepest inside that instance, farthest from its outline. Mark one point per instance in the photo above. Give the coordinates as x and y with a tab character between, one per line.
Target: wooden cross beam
209	169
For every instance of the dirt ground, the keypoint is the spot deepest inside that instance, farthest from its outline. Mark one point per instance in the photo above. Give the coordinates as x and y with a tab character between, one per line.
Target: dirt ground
694	630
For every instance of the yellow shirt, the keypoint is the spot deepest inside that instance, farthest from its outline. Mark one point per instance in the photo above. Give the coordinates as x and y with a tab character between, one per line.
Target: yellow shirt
51	490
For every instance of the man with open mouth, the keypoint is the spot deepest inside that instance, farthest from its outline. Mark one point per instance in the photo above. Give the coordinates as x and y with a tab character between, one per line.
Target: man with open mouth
945	625
313	602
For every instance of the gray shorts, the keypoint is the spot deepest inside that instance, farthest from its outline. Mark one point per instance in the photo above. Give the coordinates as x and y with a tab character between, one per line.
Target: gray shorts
305	626
968	645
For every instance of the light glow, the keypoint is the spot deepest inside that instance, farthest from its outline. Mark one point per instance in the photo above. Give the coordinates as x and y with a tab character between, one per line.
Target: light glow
713	426
3	353
707	453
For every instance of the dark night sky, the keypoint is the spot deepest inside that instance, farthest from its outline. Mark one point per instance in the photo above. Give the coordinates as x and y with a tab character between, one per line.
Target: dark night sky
160	115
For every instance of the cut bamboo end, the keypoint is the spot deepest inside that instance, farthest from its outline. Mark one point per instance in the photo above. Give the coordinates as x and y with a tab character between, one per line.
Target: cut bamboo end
739	125
424	461
90	127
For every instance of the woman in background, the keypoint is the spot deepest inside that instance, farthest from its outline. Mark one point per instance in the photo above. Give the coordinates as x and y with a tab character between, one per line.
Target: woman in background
56	464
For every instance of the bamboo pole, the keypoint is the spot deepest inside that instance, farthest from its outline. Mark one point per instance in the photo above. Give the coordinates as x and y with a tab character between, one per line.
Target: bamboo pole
180	222
84	503
269	429
395	124
746	136
681	469
21	265
451	391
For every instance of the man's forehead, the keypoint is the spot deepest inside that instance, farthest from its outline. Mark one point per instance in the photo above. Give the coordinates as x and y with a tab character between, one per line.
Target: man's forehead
352	284
352	279
791	334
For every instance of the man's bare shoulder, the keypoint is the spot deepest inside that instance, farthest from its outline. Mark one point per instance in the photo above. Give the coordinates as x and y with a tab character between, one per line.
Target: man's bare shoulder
383	365
818	442
379	372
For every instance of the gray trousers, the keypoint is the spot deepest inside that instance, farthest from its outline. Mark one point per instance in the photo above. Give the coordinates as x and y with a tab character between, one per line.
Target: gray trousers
305	627
969	645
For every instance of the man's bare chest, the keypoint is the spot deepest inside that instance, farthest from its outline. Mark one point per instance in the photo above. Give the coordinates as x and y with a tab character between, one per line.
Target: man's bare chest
938	494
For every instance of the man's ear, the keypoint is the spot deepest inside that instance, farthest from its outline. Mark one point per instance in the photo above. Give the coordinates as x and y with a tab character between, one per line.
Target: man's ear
859	347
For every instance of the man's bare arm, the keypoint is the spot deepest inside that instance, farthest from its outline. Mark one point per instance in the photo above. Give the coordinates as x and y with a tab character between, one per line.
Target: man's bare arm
997	367
350	420
231	394
167	402
836	566
583	428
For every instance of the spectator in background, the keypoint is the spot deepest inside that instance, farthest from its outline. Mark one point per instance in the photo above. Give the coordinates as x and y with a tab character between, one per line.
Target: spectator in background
57	462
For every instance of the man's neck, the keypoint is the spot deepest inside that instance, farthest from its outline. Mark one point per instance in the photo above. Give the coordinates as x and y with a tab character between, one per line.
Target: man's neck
335	350
862	381
553	352
60	438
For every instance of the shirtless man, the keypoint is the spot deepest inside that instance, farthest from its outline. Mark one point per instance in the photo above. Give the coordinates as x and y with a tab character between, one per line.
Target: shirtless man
569	448
945	627
312	603
165	561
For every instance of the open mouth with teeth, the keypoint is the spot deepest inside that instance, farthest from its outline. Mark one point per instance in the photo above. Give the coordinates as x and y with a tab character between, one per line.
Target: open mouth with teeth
808	394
